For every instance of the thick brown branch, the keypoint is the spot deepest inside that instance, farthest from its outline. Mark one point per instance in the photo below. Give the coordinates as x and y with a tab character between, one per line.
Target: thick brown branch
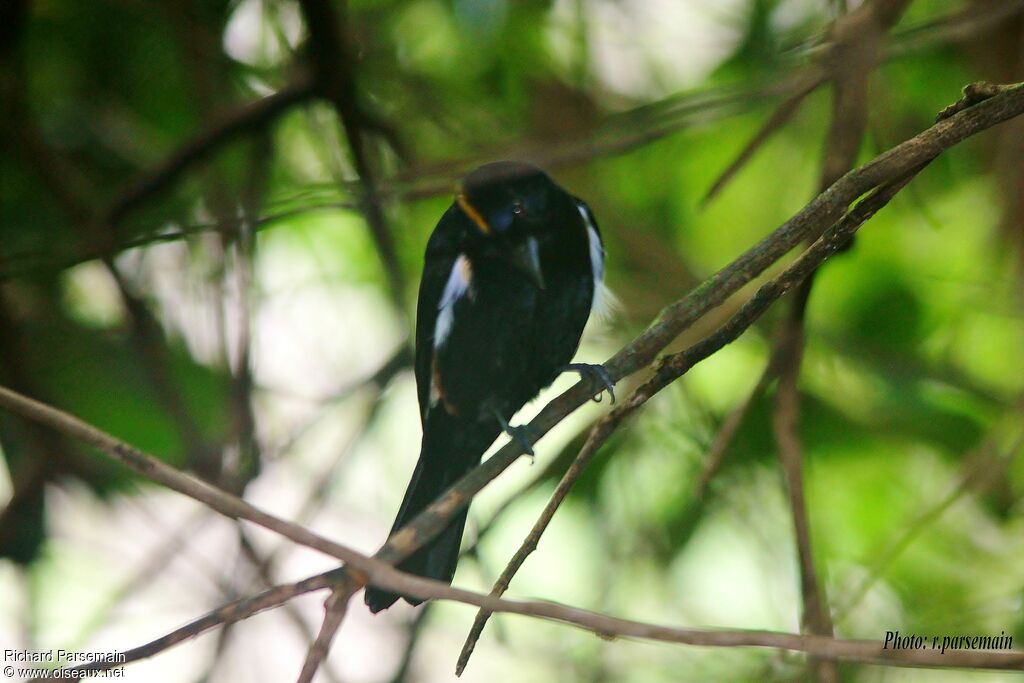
785	422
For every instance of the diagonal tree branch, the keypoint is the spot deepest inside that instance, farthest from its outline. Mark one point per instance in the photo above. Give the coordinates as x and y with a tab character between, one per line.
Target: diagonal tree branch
602	428
334	614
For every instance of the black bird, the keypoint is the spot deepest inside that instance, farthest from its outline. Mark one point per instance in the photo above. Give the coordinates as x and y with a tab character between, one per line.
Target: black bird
511	273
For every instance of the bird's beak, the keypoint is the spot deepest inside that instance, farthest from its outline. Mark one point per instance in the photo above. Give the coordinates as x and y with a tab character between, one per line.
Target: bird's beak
527	259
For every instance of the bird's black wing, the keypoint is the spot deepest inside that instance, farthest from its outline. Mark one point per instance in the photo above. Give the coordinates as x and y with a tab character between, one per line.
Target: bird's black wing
437	267
449	448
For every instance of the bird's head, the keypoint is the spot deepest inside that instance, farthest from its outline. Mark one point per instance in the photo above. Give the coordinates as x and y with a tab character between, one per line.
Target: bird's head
514	208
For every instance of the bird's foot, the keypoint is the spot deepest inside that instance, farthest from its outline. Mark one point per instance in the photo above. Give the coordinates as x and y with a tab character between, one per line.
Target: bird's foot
594	372
522	434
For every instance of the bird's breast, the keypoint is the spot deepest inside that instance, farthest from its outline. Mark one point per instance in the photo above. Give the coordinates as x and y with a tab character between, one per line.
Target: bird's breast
507	339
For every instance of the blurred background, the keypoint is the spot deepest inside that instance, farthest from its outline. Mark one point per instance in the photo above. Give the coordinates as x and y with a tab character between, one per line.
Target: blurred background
212	222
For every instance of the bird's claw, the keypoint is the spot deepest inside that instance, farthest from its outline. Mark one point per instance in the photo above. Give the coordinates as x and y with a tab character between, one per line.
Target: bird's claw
521	434
594	371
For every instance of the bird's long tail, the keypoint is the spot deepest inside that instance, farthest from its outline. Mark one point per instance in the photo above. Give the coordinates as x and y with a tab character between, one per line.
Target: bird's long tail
447	454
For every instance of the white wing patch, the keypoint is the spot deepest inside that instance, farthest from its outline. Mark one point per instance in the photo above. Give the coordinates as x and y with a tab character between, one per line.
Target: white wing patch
459	283
604	300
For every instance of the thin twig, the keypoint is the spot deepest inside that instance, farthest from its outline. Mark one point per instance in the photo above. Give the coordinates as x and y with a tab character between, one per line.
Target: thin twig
785	418
250	117
982	473
225	614
262	566
334	614
730	426
334	70
808	81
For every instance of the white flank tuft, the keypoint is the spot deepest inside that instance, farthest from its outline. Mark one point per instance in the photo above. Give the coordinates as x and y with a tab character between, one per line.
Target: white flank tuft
604	302
459	282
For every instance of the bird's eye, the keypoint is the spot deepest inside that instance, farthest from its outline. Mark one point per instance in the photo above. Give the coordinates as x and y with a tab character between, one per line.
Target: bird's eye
517	208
